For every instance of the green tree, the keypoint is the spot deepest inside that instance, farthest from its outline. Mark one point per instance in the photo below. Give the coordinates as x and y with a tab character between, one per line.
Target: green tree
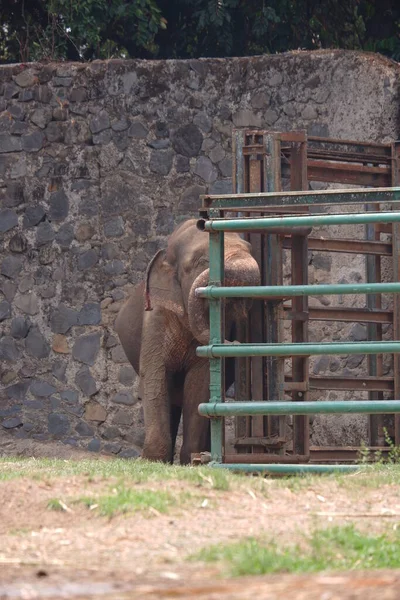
78	29
89	29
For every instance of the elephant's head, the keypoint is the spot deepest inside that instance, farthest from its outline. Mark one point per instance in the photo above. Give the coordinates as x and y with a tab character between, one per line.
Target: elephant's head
175	274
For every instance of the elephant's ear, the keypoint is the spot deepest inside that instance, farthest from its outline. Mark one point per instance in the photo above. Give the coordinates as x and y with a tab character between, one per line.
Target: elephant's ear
162	287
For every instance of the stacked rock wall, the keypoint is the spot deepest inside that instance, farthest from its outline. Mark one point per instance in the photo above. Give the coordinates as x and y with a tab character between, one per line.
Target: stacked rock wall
98	162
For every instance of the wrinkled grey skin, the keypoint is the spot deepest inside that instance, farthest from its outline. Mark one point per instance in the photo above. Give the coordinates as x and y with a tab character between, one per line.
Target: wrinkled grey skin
161	343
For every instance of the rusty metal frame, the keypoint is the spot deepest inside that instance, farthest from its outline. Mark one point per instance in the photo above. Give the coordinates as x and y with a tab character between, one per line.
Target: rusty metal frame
264	162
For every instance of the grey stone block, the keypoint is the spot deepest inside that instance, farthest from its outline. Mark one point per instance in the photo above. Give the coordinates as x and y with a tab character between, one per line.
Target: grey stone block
70	396
99	122
203	121
18	243
36	344
20	327
87	259
14	195
90	314
10	143
33	215
42	389
11	423
59	370
110	433
206	170
5	310
187	140
63	318
161	162
9	350
159	144
86	348
114	267
58	424
55	131
126	375
11	266
8	220
138	130
84	430
45	233
123	398
112	448
18	390
65	236
33	142
59	206
94	445
28	303
114	227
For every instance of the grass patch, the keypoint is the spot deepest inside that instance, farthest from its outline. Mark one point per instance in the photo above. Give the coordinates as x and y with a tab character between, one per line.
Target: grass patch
135	471
336	548
141	471
124	500
55	504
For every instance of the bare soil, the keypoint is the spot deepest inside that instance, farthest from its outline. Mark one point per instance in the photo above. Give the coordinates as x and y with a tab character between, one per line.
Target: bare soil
75	553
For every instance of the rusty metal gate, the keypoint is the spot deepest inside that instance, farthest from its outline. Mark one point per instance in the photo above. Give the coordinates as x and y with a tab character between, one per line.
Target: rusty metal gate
273	162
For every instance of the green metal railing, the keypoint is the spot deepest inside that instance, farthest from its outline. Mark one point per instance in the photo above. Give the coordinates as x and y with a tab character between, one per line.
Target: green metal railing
301	221
216	409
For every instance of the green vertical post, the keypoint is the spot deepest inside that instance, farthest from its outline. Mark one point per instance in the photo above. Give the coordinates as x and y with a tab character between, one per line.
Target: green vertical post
216	337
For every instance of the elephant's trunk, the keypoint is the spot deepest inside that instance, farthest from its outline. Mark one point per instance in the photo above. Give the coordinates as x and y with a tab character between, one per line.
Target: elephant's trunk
239	270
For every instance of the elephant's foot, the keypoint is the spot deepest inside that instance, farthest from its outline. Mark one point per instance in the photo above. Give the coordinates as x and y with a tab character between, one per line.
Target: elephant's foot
157	454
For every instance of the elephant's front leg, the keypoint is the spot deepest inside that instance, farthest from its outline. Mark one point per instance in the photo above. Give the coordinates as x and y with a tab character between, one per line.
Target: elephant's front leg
157	422
196	429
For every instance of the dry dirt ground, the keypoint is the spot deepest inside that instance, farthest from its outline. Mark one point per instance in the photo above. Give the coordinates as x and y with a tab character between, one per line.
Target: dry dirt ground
75	553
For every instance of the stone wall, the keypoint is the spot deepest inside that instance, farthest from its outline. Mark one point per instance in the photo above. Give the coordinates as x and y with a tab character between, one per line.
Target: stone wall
97	163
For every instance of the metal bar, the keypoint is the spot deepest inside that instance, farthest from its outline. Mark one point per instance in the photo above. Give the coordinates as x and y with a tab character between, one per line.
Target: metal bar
351	246
367	145
271	443
369	383
217	334
336	156
347	246
353	196
348	314
257	316
289	469
395	155
374	331
309	349
322	170
343	453
301	221
265	459
325	407
273	369
242	365
299	268
281	291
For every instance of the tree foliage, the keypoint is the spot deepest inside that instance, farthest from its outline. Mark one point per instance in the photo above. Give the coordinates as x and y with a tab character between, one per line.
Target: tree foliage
89	29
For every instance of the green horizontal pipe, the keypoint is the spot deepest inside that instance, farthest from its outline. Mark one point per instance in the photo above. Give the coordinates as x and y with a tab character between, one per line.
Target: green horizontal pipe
307	349
300	221
288	469
302	198
215	292
247	409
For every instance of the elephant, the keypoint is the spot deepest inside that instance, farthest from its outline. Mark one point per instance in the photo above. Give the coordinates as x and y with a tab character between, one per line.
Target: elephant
163	322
